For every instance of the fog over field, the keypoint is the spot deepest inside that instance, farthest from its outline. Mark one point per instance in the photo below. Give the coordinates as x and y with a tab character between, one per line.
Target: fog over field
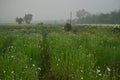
52	9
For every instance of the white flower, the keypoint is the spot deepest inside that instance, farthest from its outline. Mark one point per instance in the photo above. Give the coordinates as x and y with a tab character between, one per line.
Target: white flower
81	70
11	46
4	71
12	72
30	58
39	68
33	65
108	69
26	67
80	46
99	74
98	70
12	56
82	78
58	59
72	77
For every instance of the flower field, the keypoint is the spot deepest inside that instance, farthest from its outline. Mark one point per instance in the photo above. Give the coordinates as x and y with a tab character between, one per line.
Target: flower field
36	52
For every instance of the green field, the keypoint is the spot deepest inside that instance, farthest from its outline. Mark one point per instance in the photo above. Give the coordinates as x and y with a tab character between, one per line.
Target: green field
46	52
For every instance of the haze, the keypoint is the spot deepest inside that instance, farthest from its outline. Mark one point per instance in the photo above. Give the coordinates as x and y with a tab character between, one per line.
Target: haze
52	9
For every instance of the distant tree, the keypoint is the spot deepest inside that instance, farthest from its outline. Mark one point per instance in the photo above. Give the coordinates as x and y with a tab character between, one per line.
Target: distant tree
19	20
80	14
28	18
102	18
41	23
67	27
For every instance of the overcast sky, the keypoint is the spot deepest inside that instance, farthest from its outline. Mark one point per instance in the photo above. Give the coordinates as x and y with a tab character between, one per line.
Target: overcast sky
52	9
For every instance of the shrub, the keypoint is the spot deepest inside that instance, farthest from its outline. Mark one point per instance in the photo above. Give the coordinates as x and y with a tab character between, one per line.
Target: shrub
75	30
67	27
41	23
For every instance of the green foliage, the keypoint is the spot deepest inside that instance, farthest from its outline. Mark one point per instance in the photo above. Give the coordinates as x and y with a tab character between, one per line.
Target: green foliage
67	27
45	53
103	18
28	18
19	20
41	23
19	62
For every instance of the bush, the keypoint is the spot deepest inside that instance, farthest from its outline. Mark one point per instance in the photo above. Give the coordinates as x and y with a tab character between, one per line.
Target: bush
75	30
67	27
41	23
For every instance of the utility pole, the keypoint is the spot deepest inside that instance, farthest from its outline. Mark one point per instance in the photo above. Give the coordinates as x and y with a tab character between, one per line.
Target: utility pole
70	17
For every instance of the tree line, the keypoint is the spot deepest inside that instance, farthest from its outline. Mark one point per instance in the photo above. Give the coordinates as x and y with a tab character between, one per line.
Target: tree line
85	17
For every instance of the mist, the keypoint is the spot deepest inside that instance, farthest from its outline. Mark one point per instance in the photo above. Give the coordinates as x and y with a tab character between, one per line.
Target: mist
52	9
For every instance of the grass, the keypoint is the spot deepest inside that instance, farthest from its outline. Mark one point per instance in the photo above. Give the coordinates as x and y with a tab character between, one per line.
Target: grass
34	52
19	59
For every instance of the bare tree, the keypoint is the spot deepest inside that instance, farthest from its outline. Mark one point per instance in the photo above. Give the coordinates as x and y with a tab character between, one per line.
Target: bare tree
82	14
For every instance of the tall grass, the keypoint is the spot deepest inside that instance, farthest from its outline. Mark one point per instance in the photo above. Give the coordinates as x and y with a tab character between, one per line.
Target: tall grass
22	59
39	53
81	56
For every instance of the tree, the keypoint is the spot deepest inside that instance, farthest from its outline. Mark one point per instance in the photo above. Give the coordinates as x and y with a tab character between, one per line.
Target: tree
28	18
82	14
19	20
67	27
101	18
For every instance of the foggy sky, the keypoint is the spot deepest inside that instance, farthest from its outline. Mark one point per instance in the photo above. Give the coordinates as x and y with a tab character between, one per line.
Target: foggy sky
52	9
